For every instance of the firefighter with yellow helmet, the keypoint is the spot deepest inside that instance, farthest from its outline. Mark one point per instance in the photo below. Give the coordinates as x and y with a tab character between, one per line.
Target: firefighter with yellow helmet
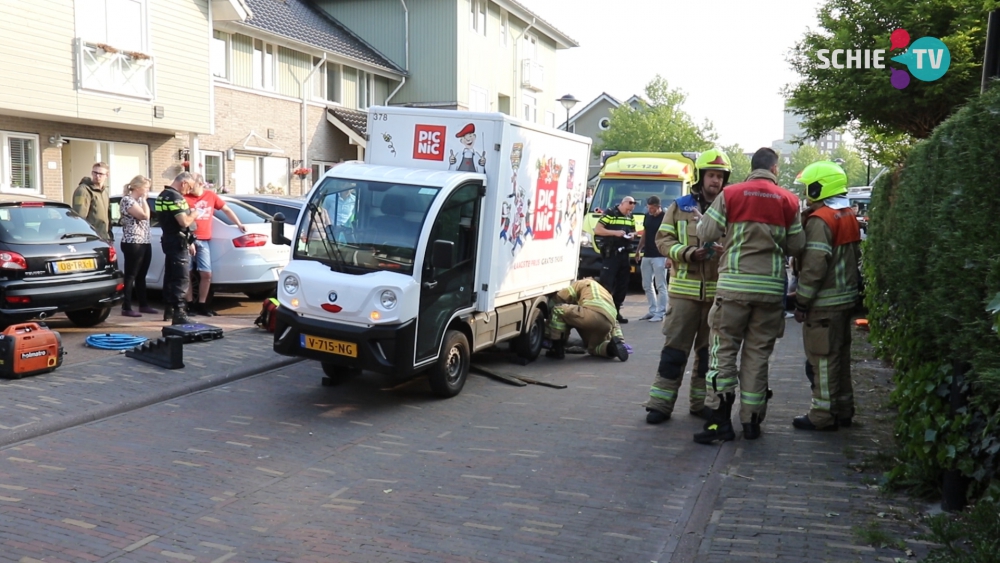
695	270
829	277
589	308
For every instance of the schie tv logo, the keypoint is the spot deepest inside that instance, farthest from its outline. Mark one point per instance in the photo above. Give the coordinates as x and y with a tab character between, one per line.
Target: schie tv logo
927	59
428	142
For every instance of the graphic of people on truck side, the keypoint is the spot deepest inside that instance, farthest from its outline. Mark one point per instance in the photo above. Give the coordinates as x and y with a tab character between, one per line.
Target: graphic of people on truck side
469	162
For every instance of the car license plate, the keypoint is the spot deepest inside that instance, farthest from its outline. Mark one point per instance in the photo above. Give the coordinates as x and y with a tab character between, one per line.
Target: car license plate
82	265
329	346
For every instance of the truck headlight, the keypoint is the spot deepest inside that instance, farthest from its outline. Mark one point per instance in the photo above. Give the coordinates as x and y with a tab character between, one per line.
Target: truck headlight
290	284
388	299
585	240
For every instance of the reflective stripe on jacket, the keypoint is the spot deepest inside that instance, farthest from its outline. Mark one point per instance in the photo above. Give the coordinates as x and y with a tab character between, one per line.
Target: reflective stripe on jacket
829	268
678	240
762	227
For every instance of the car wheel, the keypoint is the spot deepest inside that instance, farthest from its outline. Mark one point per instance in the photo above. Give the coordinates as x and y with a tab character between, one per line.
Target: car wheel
528	344
89	317
449	373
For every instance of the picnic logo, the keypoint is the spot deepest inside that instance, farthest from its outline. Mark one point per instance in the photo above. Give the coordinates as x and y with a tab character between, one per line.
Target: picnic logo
927	58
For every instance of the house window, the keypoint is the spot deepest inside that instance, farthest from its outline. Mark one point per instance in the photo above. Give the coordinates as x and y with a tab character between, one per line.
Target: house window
19	162
127	67
213	169
220	55
366	89
504	27
333	82
550	119
530	47
263	65
604	124
318	79
479	99
478	15
319	168
530	108
274	175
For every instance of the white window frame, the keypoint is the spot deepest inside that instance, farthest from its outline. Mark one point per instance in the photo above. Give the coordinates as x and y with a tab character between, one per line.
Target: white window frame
479	15
86	33
530	48
318	87
604	123
550	119
504	28
264	65
205	155
337	96
6	169
227	56
476	92
529	108
366	89
113	71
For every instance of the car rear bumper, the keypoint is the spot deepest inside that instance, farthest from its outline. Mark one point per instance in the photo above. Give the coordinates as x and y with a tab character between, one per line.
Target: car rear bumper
69	295
383	349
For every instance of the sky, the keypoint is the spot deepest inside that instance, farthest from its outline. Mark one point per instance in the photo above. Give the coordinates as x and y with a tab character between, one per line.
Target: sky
728	56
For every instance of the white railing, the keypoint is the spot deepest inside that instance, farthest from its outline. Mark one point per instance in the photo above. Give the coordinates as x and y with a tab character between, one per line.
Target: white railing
104	68
532	75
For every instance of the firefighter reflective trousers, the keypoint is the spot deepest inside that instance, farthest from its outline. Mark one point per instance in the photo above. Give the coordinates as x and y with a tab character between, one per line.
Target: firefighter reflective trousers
826	336
685	324
747	330
595	329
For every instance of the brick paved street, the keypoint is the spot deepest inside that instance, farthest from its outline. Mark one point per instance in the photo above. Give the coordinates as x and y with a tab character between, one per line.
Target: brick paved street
277	468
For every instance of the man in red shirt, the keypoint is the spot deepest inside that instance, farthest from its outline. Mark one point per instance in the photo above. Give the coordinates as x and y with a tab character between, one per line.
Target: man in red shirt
205	203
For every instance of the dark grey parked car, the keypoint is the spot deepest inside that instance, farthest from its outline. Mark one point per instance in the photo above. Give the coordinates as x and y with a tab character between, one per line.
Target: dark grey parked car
290	206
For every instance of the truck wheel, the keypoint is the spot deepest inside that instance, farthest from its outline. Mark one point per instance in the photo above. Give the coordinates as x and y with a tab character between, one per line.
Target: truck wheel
528	344
335	375
448	375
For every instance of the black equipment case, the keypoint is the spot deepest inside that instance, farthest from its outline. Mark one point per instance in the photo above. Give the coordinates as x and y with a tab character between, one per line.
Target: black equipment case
194	332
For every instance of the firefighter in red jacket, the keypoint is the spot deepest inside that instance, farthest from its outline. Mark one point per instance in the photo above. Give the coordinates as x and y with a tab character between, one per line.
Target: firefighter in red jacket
829	277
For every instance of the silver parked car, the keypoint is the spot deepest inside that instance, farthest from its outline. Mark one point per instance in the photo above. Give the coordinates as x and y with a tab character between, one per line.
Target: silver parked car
241	262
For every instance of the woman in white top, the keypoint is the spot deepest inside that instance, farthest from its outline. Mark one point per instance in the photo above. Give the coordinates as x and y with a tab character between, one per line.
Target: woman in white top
135	245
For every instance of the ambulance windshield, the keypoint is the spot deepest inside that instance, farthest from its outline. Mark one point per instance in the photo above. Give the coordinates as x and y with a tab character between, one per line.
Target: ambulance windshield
610	192
357	226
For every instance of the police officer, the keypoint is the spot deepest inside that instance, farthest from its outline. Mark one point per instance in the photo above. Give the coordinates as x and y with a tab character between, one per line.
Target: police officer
613	234
176	220
691	291
827	293
586	306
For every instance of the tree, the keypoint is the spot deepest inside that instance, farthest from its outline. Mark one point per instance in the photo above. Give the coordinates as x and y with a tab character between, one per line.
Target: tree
740	161
855	167
657	126
884	120
797	161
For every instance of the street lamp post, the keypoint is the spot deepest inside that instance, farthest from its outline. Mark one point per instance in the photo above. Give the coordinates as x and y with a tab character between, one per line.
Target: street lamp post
568	101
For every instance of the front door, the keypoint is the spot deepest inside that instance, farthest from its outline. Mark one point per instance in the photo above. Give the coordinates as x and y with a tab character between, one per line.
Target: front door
444	291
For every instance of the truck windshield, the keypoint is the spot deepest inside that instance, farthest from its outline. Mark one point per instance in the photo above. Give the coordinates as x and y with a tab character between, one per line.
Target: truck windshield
610	192
357	226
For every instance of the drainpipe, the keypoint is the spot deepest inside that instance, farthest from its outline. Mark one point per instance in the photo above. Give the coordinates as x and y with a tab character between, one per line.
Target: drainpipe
515	106
303	149
406	47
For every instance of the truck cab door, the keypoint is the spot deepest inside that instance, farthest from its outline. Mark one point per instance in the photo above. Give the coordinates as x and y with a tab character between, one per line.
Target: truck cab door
445	290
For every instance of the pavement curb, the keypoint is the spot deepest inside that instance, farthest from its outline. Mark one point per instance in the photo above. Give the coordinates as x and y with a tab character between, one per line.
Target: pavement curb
61	423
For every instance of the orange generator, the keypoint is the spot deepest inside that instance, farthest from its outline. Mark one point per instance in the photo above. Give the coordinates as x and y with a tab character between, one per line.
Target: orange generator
29	349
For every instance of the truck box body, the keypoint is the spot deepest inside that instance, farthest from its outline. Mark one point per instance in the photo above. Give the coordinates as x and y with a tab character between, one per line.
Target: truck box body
457	221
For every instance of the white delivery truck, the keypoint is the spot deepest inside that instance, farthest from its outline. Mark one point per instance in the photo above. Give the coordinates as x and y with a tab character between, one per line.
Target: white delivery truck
447	240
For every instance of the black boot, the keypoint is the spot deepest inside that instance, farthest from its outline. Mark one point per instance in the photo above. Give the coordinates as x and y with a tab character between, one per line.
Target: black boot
656	417
719	427
752	431
180	317
803	423
616	349
557	351
168	312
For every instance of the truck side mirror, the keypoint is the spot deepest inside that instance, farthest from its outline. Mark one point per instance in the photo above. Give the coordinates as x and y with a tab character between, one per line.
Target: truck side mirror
443	254
278	229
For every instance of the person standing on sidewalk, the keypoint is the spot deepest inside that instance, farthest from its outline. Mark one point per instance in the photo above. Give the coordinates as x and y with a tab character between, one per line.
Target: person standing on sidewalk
92	202
136	248
652	264
586	306
691	290
613	233
205	203
176	220
827	293
761	222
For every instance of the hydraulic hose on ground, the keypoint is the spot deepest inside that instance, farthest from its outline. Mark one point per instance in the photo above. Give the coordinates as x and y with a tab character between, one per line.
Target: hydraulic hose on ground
114	341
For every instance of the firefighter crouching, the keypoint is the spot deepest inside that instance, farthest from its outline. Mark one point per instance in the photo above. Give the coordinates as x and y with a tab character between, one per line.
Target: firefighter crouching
691	290
827	293
586	306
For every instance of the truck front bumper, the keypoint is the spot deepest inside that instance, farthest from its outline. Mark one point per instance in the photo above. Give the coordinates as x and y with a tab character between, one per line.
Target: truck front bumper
384	349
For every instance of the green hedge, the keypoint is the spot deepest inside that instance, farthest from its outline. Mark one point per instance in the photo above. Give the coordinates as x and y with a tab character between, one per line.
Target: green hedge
932	263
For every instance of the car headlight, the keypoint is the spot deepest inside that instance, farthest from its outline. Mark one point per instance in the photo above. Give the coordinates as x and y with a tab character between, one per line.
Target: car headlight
584	239
290	284
388	299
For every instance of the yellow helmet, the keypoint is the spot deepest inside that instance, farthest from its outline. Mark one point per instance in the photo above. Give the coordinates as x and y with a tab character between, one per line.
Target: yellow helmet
823	179
713	159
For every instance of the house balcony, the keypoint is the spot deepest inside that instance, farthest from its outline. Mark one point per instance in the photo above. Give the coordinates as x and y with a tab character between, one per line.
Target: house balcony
532	75
104	68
